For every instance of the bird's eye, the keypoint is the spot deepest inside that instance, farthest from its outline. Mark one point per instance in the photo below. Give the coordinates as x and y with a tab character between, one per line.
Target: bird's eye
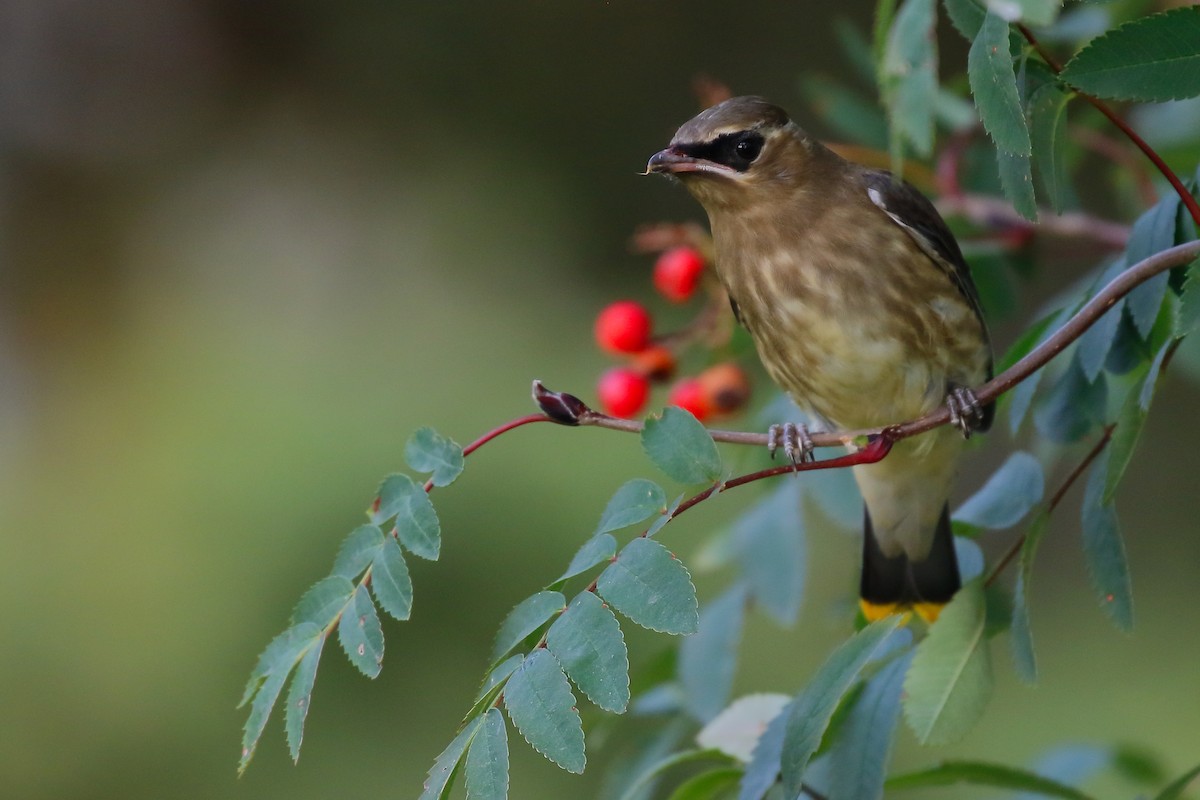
748	146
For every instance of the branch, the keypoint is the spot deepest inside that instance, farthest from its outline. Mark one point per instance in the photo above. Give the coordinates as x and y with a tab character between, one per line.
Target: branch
567	409
1184	195
994	212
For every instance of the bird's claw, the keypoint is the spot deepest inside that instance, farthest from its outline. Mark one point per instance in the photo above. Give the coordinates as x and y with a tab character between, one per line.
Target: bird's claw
794	438
965	412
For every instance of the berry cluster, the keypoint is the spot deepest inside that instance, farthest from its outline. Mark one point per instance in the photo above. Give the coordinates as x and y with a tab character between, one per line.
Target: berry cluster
626	329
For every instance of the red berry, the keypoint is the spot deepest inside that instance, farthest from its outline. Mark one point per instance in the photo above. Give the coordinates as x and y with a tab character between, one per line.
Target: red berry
726	387
689	395
623	327
677	272
656	362
623	391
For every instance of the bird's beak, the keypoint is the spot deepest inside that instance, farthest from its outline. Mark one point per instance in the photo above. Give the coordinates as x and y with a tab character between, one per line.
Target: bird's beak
673	161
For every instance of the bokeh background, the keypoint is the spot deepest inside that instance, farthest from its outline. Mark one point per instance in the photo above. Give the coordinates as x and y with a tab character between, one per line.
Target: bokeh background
247	248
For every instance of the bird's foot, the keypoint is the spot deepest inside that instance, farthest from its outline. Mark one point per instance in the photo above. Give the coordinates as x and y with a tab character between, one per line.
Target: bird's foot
794	438
965	412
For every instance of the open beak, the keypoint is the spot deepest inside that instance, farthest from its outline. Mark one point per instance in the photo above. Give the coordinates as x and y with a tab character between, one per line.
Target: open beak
673	161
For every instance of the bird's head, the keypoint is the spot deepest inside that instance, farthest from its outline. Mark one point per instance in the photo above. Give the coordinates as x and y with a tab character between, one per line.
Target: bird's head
738	153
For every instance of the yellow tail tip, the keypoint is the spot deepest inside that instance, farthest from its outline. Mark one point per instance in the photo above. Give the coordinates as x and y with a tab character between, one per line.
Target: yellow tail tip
873	612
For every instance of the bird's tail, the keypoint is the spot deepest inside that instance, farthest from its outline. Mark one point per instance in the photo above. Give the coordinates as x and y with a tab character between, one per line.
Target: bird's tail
898	585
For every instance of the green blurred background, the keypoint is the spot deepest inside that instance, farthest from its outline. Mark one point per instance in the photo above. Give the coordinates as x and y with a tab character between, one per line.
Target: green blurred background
249	247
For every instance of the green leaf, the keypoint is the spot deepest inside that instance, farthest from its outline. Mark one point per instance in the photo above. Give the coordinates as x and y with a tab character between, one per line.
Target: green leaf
1073	406
737	729
909	75
763	769
708	659
267	679
540	704
487	760
299	697
1097	341
1020	633
1153	232
1175	790
429	451
950	680
1130	421
650	586
1151	59
950	773
1048	127
360	634
390	580
637	500
646	779
1104	550
811	712
358	551
441	774
680	446
601	547
586	639
664	518
416	522
994	86
1016	178
1035	12
499	674
769	540
846	112
859	756
323	601
525	618
1007	496
966	16
709	785
1189	302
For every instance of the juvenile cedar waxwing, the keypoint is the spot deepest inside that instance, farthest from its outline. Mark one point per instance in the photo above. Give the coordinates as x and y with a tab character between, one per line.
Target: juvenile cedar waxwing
862	309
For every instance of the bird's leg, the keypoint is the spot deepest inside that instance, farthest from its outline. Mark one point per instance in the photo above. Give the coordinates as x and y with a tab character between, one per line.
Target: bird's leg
965	412
797	443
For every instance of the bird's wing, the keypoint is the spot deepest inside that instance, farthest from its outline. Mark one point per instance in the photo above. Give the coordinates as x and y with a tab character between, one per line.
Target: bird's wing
913	212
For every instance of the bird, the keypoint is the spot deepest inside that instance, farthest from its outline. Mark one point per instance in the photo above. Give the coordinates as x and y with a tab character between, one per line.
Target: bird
862	309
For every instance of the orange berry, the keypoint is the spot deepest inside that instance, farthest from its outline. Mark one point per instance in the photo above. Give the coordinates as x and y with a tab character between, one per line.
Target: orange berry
689	395
726	387
623	327
677	273
623	392
656	362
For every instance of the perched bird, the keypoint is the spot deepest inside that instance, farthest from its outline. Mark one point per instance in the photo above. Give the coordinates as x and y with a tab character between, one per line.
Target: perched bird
862	309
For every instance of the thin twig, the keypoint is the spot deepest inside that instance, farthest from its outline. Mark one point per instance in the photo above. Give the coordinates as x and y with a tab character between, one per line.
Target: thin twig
994	212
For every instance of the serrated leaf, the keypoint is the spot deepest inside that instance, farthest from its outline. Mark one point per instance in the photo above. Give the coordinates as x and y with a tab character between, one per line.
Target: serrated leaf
909	75
417	523
358	551
1151	59
1007	496
390	580
1096	341
680	446
267	679
1104	550
429	451
1153	232
707	785
1189	302
441	774
966	16
1021	635
637	500
323	601
360	635
499	674
664	518
1130	421
950	680
601	547
737	729
299	696
487	760
1175	790
1073	406
769	541
1016	178
810	714
1128	351
994	86
1047	132
525	618
859	755
951	773
708	659
651	587
540	704
587	642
